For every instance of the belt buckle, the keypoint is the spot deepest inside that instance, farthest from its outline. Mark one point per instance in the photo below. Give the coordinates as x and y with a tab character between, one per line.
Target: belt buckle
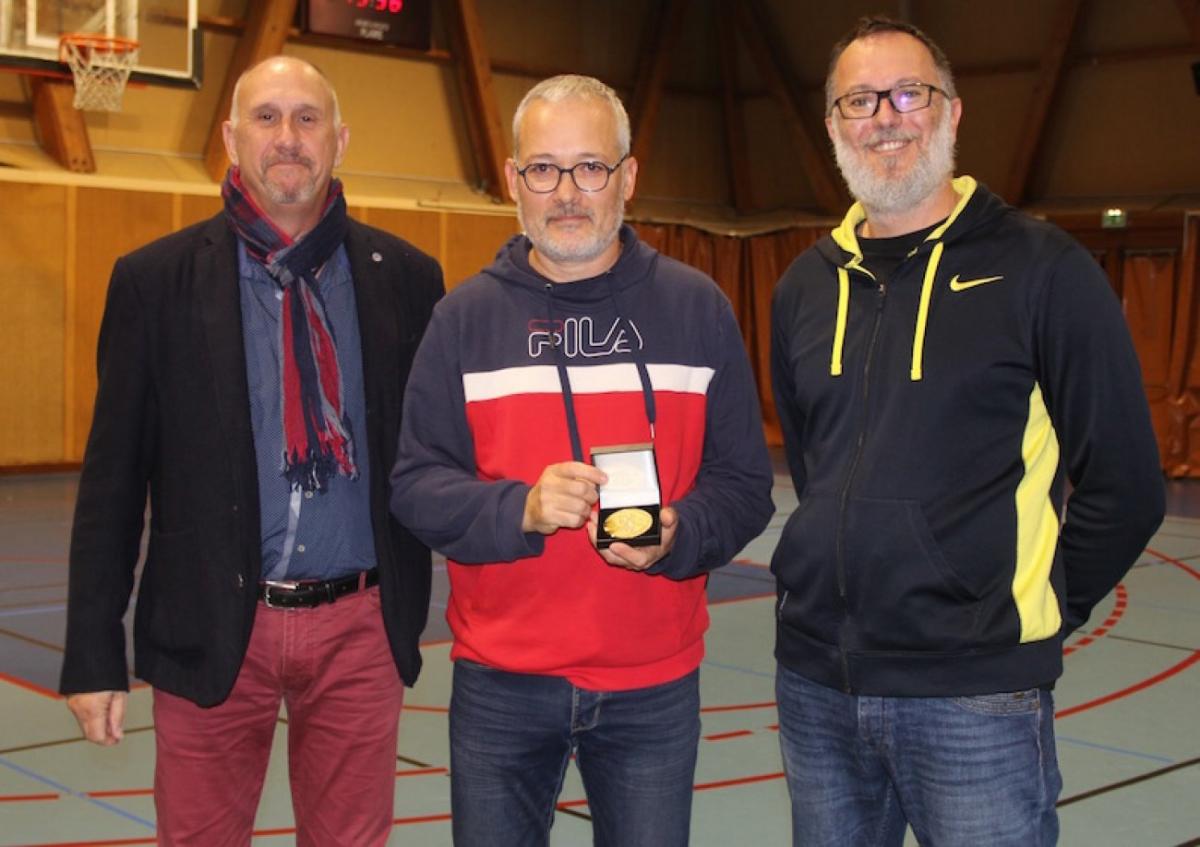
287	585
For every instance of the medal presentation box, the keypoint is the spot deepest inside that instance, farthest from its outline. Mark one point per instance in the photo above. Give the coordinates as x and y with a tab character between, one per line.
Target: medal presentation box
630	501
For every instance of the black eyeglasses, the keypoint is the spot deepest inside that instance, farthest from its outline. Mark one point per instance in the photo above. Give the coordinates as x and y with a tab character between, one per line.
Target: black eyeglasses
544	177
911	97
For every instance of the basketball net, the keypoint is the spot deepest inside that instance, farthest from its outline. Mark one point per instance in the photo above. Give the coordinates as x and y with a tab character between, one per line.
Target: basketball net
100	66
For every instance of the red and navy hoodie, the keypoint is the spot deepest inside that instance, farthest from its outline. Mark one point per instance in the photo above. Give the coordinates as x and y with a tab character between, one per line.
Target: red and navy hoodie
486	412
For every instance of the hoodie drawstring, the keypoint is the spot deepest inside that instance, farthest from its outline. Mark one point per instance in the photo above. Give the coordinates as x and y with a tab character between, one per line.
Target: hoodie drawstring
564	380
564	377
839	332
918	350
843	309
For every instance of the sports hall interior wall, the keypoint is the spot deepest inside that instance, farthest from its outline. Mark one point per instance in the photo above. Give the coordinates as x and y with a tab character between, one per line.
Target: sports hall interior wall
1123	132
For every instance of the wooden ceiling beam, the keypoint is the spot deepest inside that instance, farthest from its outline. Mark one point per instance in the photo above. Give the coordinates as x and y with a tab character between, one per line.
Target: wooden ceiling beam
266	32
61	129
488	145
227	25
763	43
1054	60
1190	11
741	187
662	32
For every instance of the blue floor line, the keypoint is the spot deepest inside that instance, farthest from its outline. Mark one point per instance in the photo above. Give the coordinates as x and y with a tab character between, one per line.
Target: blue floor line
72	792
722	666
33	610
1079	742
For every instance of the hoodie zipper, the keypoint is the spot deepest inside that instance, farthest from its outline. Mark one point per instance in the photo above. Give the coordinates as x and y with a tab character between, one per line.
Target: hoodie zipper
844	499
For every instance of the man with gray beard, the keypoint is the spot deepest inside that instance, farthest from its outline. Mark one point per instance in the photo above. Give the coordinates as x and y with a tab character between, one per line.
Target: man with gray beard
942	365
581	364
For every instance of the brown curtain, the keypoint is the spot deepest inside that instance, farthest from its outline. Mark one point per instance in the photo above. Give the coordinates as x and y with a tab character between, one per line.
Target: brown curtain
1157	285
746	269
1179	437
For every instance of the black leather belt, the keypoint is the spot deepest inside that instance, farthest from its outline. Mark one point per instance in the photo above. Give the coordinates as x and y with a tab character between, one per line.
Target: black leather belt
308	593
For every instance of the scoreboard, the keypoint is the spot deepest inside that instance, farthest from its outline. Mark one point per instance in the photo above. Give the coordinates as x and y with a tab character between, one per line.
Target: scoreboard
403	23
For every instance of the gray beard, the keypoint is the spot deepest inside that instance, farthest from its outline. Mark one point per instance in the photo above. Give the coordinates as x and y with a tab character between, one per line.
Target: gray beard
562	254
893	194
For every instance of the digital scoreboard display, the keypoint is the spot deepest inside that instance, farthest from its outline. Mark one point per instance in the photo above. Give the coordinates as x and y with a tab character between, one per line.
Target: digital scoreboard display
403	23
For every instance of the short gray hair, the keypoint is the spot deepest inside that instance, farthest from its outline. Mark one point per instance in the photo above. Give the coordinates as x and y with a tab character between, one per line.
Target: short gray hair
237	88
567	86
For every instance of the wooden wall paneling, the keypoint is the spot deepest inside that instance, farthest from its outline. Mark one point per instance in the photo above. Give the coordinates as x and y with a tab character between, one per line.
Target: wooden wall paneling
420	229
472	242
32	233
194	208
109	223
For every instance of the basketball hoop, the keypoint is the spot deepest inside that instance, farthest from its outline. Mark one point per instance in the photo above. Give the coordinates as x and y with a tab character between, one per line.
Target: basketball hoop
100	66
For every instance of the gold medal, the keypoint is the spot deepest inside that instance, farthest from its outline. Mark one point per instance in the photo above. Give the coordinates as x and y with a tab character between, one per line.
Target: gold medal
628	523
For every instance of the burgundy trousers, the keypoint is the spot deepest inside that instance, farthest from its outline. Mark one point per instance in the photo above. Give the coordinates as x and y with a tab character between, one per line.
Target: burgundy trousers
332	669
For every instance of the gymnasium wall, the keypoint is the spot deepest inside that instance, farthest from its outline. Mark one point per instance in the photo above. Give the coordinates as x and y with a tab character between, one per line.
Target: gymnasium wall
58	242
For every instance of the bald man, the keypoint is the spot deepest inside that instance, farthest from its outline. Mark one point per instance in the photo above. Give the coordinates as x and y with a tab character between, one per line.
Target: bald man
251	369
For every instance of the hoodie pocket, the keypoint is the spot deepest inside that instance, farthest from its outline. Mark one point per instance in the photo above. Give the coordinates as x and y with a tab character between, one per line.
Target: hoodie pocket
903	592
805	569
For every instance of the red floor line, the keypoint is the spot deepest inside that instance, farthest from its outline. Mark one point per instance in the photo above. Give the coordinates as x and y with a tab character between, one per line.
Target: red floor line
436	709
28	798
751	563
1119	607
90	842
1184	567
423	772
742	599
30	686
128	792
737	707
722	736
745	780
570	804
1133	689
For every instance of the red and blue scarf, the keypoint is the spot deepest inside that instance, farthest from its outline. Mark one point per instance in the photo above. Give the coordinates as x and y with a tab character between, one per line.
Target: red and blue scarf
316	435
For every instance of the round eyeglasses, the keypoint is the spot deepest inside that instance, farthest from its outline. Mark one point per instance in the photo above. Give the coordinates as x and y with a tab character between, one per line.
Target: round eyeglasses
544	177
911	97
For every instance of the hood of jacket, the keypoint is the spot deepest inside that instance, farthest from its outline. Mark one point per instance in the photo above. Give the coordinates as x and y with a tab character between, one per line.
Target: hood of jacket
976	208
511	267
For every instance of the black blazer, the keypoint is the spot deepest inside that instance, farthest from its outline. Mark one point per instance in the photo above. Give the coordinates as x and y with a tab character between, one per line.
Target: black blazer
172	420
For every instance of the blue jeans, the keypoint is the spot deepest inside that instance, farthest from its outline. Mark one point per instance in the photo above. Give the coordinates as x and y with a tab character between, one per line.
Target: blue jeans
978	770
511	736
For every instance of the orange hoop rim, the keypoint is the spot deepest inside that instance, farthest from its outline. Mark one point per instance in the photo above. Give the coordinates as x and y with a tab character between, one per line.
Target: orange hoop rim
94	41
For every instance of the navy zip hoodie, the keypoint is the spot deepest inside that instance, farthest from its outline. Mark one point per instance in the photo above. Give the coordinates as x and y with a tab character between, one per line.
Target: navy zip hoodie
930	424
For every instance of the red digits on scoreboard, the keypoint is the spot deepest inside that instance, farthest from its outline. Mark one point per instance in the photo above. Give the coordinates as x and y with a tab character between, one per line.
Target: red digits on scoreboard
393	6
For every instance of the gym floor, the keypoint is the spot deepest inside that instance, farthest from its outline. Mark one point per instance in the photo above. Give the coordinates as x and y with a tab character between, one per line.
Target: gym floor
1126	707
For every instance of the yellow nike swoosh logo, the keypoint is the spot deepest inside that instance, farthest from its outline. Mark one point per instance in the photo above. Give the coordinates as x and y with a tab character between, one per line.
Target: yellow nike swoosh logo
962	285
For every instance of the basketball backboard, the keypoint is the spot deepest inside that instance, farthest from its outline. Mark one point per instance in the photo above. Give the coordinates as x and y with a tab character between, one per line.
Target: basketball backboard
170	49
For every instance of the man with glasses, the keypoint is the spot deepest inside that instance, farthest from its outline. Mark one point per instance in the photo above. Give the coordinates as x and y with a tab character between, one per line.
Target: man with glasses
579	338
942	365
